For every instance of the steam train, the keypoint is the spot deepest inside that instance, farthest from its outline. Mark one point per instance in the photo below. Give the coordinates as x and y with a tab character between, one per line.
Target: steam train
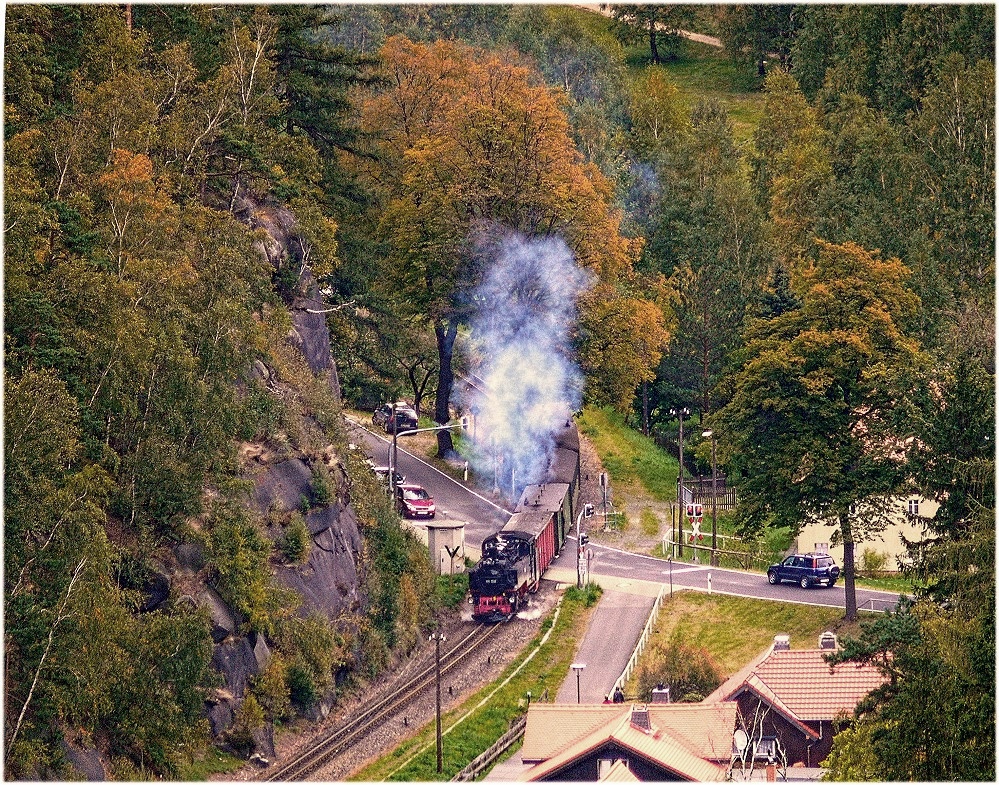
515	558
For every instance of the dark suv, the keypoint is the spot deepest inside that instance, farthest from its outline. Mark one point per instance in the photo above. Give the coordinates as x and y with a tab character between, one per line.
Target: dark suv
805	569
405	417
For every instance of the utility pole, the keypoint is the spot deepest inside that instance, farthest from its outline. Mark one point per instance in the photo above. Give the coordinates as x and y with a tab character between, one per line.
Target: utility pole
437	637
714	490
680	414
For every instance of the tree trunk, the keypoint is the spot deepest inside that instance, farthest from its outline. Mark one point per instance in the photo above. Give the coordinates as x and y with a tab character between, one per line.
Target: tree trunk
446	331
645	407
849	577
654	43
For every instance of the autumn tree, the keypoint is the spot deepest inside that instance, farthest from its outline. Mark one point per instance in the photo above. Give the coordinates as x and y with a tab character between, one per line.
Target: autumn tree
478	143
813	423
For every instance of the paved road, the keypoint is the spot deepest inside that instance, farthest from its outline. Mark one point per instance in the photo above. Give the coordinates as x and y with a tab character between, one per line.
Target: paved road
615	627
615	563
484	517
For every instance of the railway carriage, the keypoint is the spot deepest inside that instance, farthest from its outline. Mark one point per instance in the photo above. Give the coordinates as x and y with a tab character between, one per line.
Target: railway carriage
516	557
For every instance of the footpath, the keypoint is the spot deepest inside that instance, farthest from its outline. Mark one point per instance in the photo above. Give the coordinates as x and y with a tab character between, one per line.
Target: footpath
615	627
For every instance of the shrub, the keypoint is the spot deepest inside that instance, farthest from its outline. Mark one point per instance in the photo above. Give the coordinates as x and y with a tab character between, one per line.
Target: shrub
873	561
296	542
688	670
249	717
588	595
322	485
301	686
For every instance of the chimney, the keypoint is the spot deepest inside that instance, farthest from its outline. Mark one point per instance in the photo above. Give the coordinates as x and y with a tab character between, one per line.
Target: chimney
660	694
782	643
640	718
827	640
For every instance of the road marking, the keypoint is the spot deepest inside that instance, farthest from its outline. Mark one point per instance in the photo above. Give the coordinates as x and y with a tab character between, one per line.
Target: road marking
434	468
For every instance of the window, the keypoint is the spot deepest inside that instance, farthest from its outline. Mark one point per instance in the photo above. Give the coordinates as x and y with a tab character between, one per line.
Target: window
766	748
604	765
913	506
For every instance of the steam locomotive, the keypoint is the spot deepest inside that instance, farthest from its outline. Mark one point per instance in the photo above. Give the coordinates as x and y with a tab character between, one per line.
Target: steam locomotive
515	558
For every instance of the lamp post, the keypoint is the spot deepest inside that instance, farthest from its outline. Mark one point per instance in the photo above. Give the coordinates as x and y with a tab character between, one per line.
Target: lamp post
680	414
438	637
714	491
394	451
578	667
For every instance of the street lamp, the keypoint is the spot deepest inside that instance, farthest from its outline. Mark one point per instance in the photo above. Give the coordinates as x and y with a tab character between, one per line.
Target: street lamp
714	490
680	414
394	450
581	540
578	667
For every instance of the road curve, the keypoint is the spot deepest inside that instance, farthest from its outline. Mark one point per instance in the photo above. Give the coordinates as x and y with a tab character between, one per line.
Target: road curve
484	517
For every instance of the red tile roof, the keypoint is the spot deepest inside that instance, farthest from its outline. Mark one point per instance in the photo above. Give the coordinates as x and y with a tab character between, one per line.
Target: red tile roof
802	684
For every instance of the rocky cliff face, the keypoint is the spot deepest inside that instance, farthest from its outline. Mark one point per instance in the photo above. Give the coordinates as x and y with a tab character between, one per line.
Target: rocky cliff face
330	580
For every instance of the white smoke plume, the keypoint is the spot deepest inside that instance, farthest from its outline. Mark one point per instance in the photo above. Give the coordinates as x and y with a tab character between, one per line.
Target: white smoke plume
525	311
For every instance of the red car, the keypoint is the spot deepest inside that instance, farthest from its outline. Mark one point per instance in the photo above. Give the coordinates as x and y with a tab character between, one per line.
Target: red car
413	501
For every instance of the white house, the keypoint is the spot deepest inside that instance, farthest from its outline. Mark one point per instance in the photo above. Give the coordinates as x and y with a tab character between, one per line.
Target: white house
908	519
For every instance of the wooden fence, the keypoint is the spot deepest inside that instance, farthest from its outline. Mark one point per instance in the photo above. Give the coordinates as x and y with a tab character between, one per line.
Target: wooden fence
486	759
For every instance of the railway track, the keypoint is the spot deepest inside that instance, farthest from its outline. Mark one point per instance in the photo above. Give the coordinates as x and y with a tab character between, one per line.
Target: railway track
310	760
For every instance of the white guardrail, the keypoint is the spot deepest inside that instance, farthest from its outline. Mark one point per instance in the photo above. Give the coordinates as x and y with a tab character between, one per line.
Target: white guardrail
642	641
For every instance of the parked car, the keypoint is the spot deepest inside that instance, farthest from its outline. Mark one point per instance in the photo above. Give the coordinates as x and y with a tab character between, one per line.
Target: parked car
805	569
404	419
413	501
382	473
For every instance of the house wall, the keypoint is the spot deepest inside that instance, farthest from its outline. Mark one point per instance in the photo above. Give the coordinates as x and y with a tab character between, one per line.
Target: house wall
889	542
760	719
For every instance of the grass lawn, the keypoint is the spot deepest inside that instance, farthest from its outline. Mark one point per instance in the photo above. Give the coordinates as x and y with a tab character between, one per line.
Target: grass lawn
633	461
702	72
734	630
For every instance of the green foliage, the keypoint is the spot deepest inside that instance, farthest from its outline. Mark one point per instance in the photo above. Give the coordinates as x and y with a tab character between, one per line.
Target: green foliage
249	718
271	689
296	542
314	647
301	687
237	555
808	380
872	560
451	590
322	485
588	596
686	668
